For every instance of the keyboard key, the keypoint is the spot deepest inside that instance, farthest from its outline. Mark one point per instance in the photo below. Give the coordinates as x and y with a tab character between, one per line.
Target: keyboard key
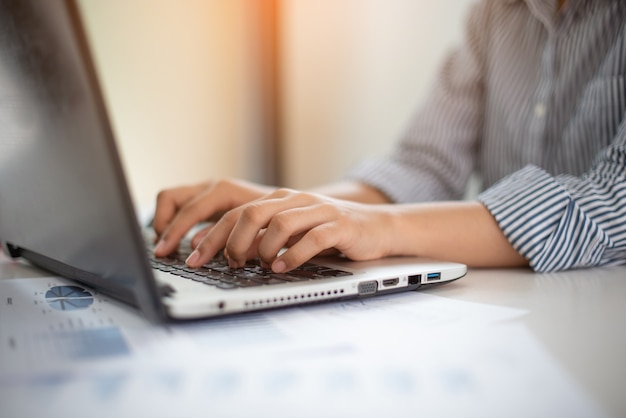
217	272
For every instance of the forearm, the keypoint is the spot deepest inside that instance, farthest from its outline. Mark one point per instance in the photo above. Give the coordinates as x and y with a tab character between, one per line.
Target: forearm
456	231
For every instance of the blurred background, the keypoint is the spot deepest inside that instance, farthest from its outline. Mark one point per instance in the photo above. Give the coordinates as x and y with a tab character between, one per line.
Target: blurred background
283	92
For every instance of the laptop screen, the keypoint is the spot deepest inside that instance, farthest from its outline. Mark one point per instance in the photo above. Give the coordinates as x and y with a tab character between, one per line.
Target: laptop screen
64	203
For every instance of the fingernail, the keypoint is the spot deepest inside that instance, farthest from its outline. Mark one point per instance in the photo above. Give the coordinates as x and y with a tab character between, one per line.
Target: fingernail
279	266
193	258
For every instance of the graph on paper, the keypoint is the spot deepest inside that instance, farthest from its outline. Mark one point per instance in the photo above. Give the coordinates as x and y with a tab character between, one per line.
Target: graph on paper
68	298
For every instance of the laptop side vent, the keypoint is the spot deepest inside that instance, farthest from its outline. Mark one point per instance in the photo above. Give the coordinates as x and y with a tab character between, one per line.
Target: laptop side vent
295	298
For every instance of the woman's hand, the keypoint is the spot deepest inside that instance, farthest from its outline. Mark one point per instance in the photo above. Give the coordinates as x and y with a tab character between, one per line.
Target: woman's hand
259	221
180	209
307	224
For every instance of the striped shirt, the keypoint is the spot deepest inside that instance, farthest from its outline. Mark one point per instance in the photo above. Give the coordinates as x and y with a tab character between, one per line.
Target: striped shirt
533	101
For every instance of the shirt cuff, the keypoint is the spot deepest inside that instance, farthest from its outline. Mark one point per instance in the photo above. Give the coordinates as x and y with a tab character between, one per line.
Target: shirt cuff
543	222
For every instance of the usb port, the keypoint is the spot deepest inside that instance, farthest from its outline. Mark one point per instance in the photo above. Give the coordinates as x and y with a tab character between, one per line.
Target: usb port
433	277
390	282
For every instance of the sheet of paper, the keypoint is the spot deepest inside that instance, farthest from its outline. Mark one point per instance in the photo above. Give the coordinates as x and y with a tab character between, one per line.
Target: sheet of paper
401	355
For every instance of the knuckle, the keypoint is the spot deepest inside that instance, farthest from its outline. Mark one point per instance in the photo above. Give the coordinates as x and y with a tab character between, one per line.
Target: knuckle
285	192
222	183
163	196
253	213
319	238
230	217
328	207
281	223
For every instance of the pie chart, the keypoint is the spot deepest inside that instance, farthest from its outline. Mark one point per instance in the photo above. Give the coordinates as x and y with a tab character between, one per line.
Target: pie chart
68	298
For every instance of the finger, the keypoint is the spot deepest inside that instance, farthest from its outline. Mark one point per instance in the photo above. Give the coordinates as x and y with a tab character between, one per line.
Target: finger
255	217
200	235
315	241
292	223
209	200
168	202
197	210
252	251
213	241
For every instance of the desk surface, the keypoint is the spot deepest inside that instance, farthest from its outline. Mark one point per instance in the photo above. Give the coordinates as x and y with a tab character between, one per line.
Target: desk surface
578	318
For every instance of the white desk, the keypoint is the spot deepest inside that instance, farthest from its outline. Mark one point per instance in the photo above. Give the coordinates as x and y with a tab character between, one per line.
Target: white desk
496	343
578	316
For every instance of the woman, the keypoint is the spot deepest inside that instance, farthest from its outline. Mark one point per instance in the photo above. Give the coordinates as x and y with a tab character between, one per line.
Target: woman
534	100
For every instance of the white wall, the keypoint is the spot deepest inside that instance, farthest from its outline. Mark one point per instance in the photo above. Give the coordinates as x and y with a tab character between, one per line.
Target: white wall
174	76
178	78
355	70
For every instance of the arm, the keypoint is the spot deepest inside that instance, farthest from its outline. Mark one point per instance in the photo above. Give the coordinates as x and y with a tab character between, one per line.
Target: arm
563	222
181	208
308	224
465	232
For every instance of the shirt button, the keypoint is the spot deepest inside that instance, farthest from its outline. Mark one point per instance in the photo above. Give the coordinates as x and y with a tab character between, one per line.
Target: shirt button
540	110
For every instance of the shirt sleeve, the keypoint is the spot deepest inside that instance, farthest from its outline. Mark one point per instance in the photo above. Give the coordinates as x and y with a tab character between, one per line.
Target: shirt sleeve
564	222
437	154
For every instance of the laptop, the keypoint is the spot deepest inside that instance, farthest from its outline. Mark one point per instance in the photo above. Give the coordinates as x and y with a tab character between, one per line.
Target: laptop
65	205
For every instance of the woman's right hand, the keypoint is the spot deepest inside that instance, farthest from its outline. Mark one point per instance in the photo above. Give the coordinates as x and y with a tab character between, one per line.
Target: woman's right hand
180	209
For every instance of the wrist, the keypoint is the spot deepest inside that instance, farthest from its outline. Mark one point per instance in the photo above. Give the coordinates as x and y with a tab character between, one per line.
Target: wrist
403	231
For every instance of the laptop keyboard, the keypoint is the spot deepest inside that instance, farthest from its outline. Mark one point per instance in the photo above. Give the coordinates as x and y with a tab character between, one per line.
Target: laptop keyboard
218	273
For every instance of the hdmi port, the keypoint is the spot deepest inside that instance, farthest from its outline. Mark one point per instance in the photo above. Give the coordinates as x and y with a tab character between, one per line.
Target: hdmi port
390	282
